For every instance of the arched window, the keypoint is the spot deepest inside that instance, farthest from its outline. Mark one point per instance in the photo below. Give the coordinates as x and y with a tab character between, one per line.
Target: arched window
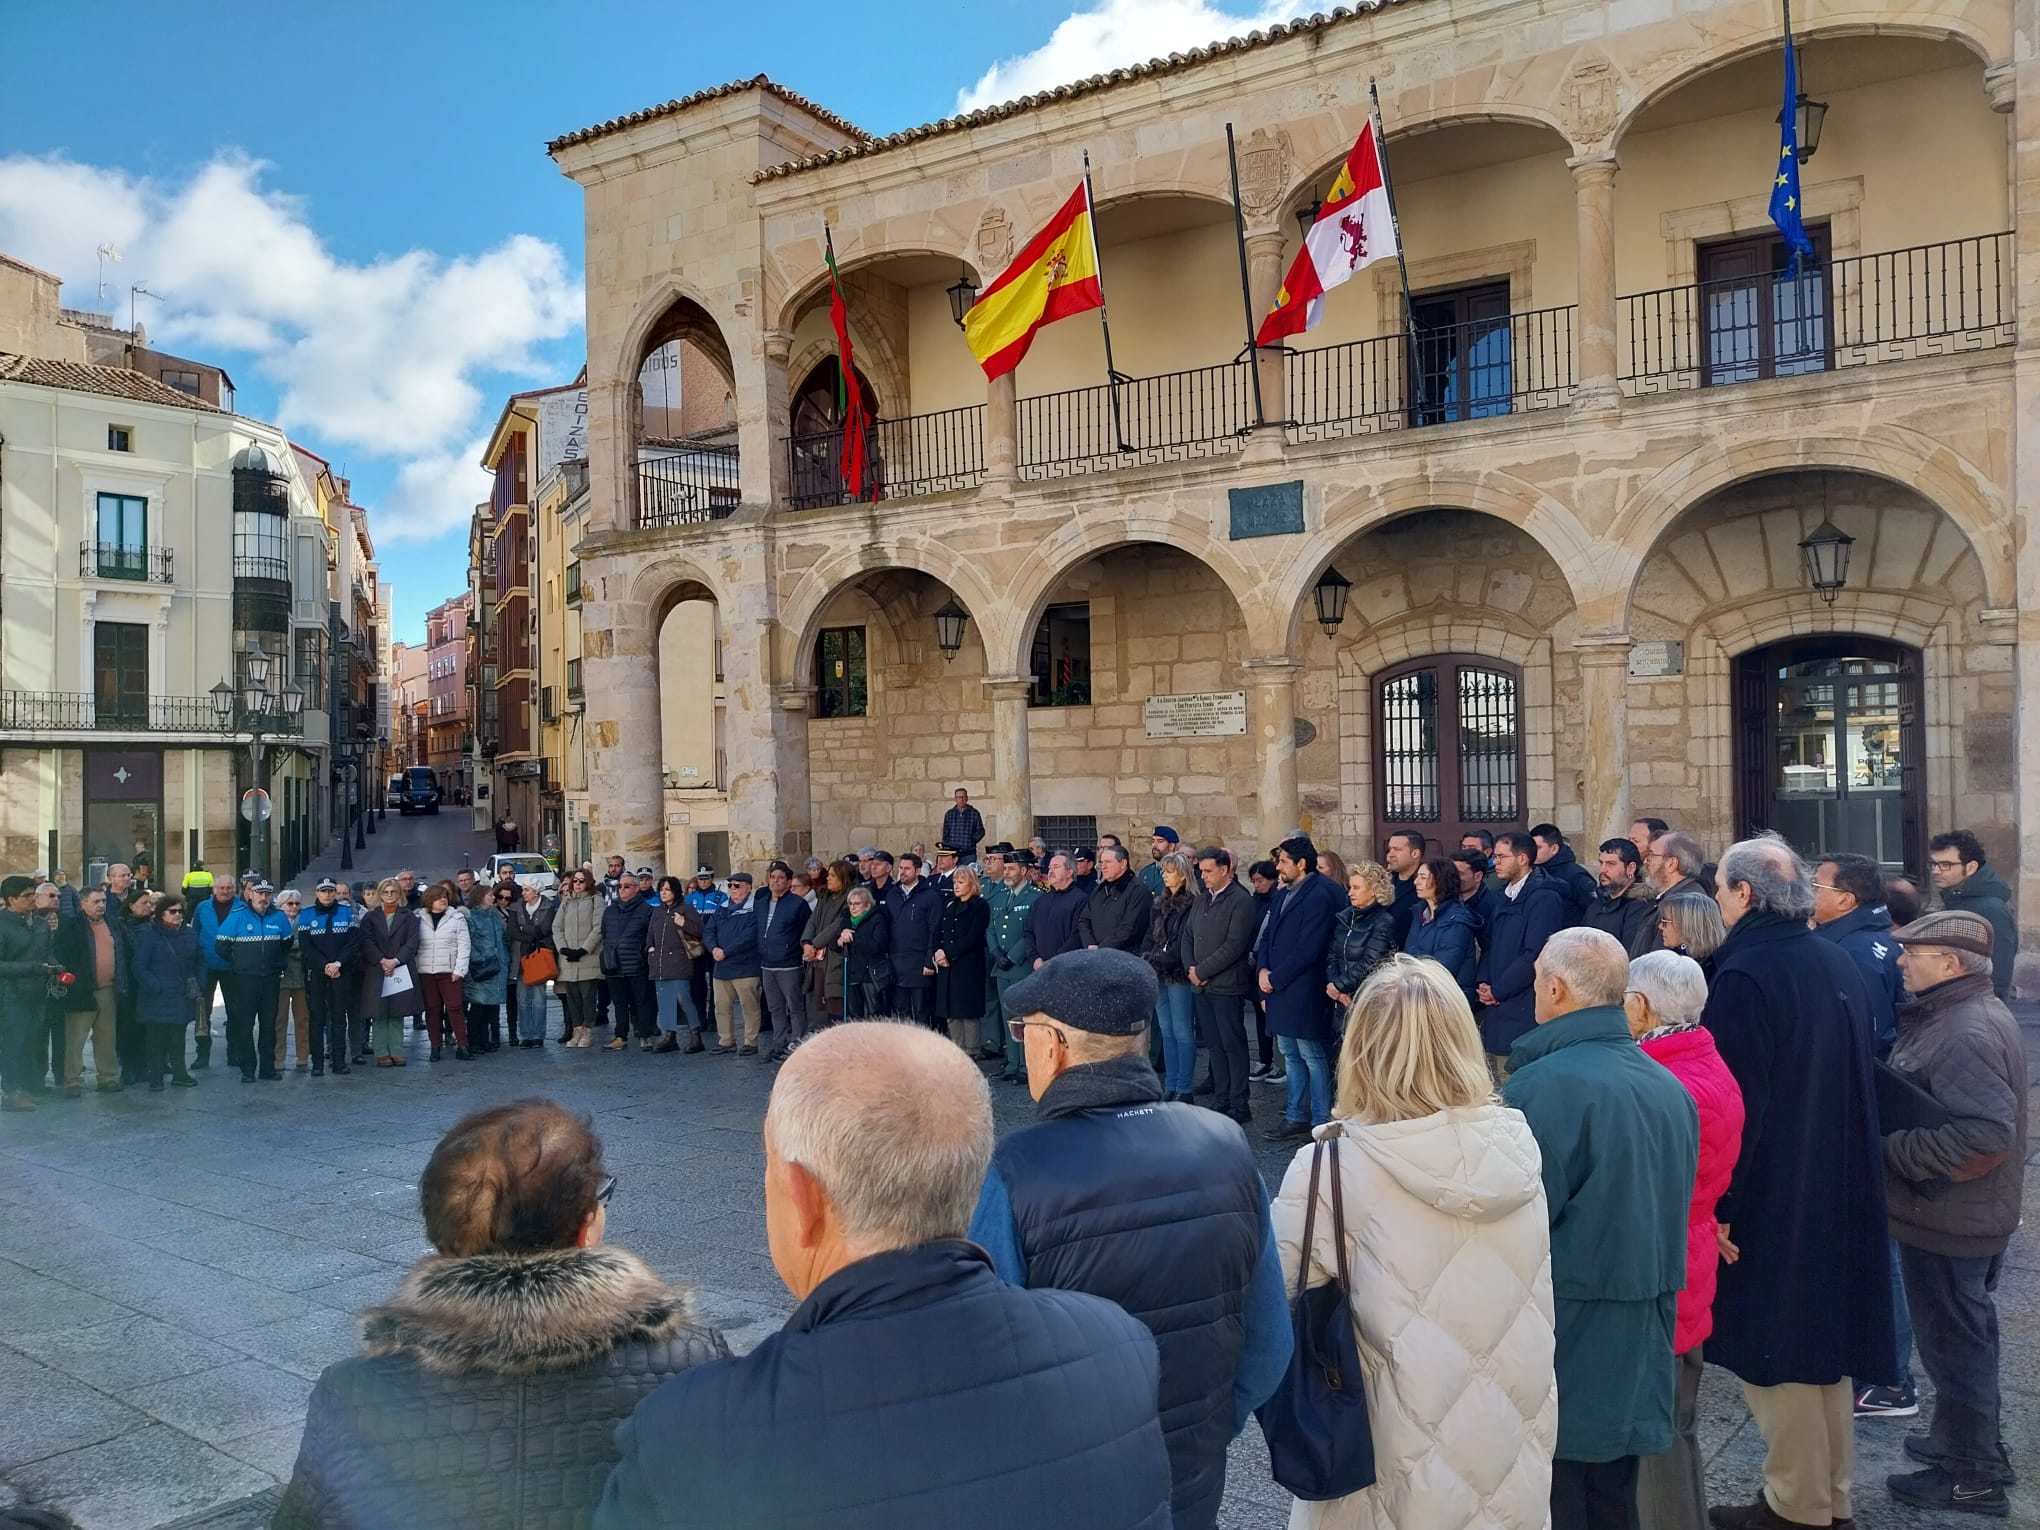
1449	746
817	446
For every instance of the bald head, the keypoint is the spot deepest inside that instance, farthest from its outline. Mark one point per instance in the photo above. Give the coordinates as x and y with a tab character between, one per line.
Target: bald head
893	1123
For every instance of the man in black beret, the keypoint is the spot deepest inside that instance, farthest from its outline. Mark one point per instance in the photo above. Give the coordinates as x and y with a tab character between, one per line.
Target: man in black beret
1146	1201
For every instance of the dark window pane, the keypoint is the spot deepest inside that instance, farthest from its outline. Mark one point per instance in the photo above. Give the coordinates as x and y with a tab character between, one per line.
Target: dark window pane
840	682
120	674
1060	659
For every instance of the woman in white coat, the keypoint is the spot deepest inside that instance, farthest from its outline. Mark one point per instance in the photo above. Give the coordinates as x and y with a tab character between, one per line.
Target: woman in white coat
442	964
1449	1253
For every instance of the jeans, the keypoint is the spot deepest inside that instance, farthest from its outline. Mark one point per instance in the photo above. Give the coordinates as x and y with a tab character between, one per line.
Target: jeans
1310	1079
676	996
162	1052
1901	1316
1176	1021
531	1010
1221	1020
1955	1321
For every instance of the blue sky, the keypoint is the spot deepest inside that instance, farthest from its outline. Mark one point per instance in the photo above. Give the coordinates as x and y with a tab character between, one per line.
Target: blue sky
351	208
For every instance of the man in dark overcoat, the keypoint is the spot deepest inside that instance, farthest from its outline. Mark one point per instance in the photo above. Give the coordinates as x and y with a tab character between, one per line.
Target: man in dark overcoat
1804	1303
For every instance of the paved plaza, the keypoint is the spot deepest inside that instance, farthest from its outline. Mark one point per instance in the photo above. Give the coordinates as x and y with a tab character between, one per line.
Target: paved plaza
176	1269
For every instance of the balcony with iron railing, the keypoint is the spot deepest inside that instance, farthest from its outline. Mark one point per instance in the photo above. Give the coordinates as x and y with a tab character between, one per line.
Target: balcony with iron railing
81	711
687	482
119	560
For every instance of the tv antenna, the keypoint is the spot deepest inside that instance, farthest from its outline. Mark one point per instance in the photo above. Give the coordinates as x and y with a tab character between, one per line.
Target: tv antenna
138	290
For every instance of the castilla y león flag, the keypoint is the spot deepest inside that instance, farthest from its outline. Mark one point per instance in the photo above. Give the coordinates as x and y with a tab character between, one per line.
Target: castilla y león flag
1054	277
1354	229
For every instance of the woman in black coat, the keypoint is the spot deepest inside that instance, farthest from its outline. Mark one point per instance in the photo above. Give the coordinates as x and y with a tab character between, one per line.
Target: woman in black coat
389	940
1363	936
867	958
962	961
166	966
488	1390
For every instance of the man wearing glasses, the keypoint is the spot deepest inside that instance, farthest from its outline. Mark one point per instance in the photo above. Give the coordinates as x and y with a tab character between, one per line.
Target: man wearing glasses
1956	862
1673	865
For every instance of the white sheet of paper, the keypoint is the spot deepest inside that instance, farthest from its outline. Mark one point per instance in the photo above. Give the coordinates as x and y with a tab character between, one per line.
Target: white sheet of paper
398	981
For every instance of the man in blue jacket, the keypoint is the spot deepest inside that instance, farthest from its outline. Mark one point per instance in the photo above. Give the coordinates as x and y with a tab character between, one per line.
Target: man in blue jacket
1849	909
1157	1207
1529	912
912	1389
210	914
782	915
1289	963
327	939
731	935
1555	858
253	941
916	909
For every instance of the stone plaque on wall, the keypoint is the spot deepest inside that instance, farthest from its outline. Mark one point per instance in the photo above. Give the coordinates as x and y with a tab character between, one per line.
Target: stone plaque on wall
1204	714
1266	510
1651	661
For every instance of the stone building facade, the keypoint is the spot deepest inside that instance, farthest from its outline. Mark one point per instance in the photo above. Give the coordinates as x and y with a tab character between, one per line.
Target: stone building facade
1565	490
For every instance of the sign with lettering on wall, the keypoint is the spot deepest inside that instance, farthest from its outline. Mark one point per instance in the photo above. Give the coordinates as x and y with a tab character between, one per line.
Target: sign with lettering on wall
1651	661
1266	510
1202	714
562	427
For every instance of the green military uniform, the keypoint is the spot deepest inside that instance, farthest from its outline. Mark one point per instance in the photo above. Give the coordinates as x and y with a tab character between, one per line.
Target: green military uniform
1007	938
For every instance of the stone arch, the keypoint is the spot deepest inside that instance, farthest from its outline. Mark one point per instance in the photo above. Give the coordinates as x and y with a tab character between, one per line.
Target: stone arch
800	298
665	306
1752	31
1532	511
1960	489
663	582
1078	541
800	615
1412	118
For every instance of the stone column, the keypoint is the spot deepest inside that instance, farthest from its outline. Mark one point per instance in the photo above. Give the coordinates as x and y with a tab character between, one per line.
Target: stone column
764	419
1604	758
1273	725
1596	390
1012	817
1002	432
791	708
611	456
620	676
1264	279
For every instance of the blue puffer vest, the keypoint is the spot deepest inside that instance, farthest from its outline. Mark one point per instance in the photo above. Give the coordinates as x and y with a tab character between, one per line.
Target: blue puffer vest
1158	1208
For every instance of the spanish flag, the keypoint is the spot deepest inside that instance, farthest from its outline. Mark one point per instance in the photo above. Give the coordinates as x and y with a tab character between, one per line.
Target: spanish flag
1054	277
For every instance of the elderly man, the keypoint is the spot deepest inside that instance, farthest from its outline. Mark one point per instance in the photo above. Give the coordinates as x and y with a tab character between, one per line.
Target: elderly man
1156	1207
912	1389
1953	1179
1803	1305
1055	924
1673	865
1620	1140
1116	918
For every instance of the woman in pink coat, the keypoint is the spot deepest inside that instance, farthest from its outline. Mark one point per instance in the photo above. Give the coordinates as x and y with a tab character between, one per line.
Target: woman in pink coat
1666	994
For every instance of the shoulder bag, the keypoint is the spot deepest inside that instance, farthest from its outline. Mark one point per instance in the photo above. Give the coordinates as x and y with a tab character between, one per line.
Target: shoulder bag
1320	1439
539	967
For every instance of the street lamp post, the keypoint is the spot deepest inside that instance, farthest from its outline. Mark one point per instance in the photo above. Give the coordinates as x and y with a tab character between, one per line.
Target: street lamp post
346	751
383	798
268	714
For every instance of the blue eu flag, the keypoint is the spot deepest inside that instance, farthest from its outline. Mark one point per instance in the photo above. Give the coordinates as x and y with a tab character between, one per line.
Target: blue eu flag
1786	207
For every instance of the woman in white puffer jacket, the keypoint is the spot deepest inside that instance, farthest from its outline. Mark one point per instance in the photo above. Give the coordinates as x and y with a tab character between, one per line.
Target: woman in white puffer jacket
442	963
1448	1247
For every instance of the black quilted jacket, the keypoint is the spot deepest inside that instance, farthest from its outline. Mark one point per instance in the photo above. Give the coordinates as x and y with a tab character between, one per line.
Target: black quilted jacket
488	1392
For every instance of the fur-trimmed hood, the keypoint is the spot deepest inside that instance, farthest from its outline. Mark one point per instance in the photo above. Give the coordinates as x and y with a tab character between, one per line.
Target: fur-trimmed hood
519	1314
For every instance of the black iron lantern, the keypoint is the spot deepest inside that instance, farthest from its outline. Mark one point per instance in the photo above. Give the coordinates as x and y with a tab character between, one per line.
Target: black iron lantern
1826	550
949	624
961	297
223	703
1330	595
1807	117
1307	216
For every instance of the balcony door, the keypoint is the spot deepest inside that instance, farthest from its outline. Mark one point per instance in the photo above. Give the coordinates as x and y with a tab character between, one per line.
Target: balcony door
123	536
1756	320
120	674
1461	367
817	444
1448	751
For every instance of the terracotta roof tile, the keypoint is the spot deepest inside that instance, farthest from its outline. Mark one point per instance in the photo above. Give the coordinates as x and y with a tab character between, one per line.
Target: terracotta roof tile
1303	26
713	93
83	377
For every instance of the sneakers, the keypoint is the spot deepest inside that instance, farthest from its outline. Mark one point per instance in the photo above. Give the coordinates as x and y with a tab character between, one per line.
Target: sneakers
1258	1072
1934	1488
1275	1075
1919	1444
1888	1402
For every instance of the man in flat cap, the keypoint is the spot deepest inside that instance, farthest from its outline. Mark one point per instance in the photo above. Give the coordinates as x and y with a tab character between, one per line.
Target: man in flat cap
1155	1206
1953	1177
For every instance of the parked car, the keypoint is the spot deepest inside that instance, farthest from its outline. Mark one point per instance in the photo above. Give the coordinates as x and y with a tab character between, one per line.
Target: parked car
531	870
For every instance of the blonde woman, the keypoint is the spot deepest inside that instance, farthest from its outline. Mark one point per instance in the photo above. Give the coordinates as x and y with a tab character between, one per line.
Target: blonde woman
1175	1017
1449	1251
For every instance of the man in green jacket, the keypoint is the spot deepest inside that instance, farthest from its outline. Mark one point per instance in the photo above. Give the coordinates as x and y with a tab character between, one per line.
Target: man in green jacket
1621	1145
1007	939
1966	885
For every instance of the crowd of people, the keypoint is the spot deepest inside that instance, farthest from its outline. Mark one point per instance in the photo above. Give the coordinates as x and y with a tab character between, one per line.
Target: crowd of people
1561	1134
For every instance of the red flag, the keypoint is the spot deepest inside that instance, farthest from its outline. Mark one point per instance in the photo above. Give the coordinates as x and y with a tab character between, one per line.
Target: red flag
856	423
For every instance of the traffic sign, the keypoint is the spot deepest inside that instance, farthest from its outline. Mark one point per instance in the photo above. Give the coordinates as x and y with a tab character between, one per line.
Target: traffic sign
255	805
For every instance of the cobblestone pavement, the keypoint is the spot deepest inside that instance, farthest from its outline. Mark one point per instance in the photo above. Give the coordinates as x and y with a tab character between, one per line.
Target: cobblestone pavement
176	1269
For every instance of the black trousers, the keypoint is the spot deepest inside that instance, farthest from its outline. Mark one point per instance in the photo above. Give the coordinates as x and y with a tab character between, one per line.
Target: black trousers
251	1021
129	1045
327	1002
912	1003
1222	1027
162	1052
1955	1327
209	983
1594	1495
702	984
631	993
868	1001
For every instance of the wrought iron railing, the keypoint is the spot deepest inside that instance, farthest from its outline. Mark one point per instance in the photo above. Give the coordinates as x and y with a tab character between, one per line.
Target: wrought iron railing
1469	371
916	454
1174	417
688	482
117	560
61	711
1930	300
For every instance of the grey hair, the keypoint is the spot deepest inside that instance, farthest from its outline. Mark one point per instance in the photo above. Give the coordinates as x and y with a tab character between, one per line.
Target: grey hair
1971	962
1698	917
858	892
1683	851
894	1123
1181	862
1777	878
1674	985
1591	963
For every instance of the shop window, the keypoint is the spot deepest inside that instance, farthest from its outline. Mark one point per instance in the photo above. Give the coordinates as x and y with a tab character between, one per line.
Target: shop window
842	686
120	674
1060	660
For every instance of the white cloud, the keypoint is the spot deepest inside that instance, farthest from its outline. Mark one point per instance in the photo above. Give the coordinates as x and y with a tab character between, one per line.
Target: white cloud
1112	35
387	357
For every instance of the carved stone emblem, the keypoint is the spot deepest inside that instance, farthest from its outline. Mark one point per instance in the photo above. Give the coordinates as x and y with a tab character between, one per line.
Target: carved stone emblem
994	242
1266	163
1594	101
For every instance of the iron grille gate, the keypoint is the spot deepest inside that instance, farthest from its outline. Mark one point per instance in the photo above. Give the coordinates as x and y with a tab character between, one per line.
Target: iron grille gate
1449	745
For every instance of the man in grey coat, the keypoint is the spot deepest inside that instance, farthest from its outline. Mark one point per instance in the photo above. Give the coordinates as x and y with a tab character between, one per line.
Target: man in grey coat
1218	944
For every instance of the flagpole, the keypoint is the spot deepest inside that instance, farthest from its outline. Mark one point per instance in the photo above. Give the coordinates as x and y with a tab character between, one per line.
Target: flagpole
1394	220
1239	221
1112	377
